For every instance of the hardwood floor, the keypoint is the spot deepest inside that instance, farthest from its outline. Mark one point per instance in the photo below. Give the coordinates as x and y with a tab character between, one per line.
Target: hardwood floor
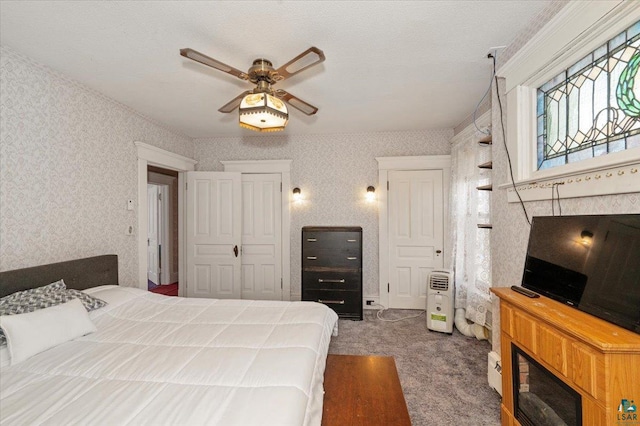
363	390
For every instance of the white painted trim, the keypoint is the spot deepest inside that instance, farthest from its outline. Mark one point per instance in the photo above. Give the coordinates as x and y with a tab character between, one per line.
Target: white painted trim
148	154
387	164
159	157
283	167
182	228
578	29
521	131
609	180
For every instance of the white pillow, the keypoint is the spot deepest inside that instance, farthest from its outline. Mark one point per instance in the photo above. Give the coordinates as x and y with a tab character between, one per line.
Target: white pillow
34	332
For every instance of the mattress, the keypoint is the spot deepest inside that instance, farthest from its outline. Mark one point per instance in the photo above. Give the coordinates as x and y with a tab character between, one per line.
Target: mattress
181	361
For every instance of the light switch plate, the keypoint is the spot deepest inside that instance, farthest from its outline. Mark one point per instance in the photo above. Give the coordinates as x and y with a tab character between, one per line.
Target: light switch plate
129	204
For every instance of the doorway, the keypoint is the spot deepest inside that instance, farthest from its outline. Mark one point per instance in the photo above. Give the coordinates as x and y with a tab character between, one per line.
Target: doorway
149	155
162	231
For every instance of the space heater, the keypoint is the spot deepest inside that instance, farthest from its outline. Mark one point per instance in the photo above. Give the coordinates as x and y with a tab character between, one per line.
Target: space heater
440	301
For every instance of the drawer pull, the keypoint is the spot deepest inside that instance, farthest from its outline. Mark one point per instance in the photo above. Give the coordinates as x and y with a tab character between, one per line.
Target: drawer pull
352	241
352	258
322	280
332	302
312	257
313	240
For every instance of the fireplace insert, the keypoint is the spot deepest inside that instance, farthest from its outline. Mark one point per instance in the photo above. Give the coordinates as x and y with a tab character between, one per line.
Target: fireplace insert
540	398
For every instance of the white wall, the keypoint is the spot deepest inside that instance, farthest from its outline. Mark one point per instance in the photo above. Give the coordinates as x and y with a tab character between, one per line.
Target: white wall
333	172
67	167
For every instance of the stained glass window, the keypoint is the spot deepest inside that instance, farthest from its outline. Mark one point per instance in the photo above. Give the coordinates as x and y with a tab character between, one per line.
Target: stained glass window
593	107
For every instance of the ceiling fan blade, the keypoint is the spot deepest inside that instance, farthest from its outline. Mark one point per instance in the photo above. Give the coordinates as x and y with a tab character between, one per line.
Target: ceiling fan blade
310	57
295	102
234	103
213	63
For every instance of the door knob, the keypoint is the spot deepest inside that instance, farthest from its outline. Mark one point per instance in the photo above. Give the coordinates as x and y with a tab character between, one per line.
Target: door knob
438	251
235	250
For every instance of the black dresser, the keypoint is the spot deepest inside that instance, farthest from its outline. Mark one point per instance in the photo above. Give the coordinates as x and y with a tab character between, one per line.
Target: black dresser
332	268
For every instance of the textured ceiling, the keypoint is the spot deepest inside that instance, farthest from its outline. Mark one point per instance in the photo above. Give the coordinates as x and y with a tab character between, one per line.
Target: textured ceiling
391	65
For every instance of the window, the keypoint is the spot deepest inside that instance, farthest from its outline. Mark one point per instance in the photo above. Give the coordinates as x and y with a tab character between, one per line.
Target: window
591	108
573	105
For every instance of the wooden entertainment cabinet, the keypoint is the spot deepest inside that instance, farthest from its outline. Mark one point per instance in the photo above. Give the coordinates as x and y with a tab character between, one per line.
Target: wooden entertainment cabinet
597	359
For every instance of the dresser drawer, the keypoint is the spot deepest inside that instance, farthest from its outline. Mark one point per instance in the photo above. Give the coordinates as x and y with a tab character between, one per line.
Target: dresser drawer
335	258
312	240
344	302
331	280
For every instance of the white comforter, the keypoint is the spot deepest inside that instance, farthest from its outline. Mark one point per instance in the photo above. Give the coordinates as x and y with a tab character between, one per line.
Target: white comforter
167	360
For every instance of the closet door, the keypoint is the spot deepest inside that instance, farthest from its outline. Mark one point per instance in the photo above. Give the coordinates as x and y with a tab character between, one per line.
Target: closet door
261	236
213	240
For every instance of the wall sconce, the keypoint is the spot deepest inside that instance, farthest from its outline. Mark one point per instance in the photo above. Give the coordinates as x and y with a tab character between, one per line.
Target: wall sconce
371	193
586	238
297	194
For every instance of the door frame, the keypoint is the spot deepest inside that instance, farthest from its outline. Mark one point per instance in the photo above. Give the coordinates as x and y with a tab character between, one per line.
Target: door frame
387	164
154	156
167	186
282	167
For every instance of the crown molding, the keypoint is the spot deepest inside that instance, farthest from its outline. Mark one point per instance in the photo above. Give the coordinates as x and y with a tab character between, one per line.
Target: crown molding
575	30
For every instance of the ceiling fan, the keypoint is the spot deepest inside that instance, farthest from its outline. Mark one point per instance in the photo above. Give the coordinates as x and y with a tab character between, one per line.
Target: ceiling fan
263	108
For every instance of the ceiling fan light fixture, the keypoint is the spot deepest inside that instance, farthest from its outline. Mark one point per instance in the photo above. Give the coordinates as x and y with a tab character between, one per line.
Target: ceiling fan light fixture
263	112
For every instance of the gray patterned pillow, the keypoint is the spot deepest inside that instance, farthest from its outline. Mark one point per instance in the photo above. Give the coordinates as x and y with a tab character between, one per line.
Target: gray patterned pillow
44	297
56	286
90	303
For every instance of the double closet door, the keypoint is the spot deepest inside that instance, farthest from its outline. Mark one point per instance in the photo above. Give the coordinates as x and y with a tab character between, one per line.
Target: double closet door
233	235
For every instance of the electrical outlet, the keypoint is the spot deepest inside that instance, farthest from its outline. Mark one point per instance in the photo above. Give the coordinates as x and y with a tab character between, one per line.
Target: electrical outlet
370	302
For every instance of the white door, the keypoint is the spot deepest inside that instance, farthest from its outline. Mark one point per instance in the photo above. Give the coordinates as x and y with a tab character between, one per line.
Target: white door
152	235
261	237
213	234
416	234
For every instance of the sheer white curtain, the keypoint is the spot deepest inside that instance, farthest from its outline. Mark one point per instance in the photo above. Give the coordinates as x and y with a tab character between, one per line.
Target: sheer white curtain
471	245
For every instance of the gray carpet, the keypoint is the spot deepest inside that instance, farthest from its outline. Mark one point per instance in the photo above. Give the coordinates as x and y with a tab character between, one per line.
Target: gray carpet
444	377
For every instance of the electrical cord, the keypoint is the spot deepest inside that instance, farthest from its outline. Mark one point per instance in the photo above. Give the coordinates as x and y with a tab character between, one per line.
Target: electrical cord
475	111
554	188
379	315
504	141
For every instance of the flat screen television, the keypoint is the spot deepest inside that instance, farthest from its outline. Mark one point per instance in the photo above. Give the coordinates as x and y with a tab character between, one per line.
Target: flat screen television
590	262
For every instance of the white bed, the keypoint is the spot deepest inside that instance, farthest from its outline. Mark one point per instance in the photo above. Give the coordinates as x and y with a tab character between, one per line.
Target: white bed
169	360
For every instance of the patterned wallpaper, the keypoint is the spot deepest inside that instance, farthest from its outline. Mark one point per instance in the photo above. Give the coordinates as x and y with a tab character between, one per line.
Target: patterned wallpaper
333	172
67	167
510	233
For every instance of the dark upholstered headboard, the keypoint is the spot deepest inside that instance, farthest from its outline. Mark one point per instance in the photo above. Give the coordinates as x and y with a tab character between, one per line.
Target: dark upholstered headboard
78	274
